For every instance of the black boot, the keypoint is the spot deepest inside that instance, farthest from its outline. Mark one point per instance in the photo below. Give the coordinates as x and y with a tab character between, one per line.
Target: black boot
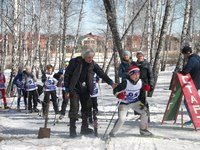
84	128
72	128
6	107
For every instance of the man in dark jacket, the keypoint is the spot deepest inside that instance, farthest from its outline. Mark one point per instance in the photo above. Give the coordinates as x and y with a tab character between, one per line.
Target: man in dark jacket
192	66
78	81
146	75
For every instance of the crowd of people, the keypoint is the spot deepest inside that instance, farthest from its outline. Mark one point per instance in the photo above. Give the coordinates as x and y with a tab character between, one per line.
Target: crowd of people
78	82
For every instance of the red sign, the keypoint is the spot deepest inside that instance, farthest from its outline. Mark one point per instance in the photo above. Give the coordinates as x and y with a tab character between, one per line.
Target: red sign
191	98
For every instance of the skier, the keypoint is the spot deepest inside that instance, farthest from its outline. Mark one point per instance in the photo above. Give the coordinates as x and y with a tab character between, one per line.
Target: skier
31	88
78	81
49	90
128	91
19	82
94	109
3	88
60	77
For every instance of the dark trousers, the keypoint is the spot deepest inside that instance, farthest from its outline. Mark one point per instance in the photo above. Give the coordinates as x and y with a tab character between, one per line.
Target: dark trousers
32	96
85	102
64	103
94	109
21	92
94	103
46	101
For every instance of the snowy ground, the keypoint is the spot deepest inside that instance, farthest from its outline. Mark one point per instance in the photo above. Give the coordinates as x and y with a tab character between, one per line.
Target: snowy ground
19	130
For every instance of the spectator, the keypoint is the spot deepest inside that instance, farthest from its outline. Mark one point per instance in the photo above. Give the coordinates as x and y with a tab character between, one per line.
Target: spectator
78	81
126	63
146	75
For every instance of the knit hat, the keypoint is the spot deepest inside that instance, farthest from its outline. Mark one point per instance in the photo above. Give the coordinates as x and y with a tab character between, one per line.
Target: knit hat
87	52
186	50
127	53
132	70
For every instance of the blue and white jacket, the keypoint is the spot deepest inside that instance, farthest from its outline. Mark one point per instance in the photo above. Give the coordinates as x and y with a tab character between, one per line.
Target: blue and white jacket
131	89
50	83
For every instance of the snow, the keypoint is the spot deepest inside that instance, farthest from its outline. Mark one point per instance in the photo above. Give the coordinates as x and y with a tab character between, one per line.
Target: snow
19	131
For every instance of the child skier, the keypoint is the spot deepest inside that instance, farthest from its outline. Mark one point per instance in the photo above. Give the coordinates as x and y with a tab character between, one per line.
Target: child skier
60	77
128	92
94	110
31	88
49	90
19	81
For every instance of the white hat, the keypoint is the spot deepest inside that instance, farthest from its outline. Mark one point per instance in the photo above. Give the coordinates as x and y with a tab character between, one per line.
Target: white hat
87	52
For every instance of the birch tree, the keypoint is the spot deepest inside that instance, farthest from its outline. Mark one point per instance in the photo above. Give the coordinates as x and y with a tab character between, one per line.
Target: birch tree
164	28
185	35
185	32
3	40
78	28
15	41
154	36
112	21
168	40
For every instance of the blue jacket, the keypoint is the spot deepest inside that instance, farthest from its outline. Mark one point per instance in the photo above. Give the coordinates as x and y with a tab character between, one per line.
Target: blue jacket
19	80
193	67
123	68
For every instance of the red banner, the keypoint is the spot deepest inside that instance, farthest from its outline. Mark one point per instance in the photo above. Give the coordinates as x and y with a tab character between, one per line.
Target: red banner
191	98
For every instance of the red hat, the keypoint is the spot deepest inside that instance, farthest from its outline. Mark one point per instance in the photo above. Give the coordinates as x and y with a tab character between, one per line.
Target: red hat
133	70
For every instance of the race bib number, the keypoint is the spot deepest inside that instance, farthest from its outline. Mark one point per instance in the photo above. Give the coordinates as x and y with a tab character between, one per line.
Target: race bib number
132	96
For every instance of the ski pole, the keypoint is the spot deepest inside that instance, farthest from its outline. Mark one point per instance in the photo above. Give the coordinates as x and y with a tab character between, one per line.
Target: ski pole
112	118
102	101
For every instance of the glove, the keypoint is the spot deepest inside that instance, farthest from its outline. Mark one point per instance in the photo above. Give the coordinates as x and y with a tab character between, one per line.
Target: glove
121	95
147	87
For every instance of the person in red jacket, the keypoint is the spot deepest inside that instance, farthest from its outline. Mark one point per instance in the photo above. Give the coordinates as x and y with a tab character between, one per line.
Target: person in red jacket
3	88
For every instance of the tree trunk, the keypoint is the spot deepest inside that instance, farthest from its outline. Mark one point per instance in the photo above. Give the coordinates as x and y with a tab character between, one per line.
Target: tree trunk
164	28
65	5
78	29
15	35
168	40
105	48
111	18
154	31
184	39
